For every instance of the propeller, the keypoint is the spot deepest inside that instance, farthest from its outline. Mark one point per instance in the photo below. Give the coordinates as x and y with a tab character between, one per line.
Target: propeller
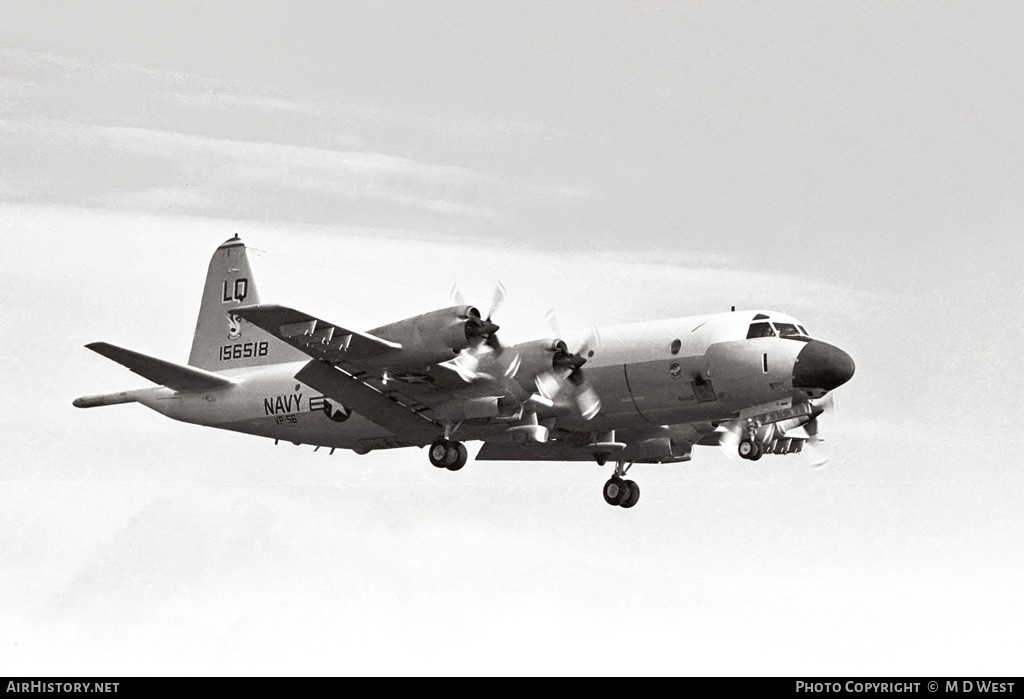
482	329
819	407
478	328
567	372
496	300
729	438
456	294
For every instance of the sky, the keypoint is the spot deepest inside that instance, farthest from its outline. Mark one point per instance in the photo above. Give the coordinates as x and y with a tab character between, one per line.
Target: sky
859	166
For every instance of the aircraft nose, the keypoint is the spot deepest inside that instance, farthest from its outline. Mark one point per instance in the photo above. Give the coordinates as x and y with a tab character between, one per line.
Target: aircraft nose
822	366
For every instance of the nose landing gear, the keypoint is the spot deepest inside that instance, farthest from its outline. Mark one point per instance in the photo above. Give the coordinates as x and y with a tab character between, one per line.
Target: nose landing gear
619	491
750	449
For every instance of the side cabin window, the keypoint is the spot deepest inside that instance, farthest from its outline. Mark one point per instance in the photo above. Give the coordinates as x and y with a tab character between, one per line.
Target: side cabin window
760	330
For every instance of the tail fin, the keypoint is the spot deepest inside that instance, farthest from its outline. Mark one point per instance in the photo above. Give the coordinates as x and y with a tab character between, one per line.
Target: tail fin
222	340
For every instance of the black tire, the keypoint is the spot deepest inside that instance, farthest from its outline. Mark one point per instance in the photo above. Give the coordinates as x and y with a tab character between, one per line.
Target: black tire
614	491
746	449
758	452
633	497
438	453
461	457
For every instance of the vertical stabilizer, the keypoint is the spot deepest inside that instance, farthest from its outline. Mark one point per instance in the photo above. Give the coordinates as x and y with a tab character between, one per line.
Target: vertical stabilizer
223	341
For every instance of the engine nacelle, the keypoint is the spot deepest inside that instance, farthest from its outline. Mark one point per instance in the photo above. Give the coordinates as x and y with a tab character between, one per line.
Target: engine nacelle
535	358
429	338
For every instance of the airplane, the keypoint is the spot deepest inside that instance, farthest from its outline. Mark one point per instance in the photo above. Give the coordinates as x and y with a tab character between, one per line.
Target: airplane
649	393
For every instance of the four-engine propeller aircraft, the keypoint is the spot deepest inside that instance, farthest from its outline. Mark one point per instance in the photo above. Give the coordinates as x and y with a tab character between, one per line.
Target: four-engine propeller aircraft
649	392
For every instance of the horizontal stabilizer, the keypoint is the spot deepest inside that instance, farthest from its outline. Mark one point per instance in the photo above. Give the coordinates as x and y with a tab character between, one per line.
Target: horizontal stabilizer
174	376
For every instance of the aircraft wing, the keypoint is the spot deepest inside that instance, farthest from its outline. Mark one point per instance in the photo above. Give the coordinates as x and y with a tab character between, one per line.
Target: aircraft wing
349	366
349	349
317	338
384	409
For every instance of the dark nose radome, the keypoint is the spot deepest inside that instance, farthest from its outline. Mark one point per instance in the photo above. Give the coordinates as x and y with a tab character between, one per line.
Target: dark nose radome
822	366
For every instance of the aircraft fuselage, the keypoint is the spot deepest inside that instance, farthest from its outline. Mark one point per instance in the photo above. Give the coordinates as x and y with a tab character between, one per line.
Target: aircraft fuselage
696	369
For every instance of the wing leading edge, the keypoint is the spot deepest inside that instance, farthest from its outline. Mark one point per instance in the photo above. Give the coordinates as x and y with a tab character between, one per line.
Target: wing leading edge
317	338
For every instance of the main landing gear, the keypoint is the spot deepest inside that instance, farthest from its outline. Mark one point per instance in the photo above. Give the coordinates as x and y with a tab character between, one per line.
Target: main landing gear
444	453
619	491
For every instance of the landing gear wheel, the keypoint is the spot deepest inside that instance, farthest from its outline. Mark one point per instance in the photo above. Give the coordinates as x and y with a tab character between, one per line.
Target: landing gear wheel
747	448
438	453
758	452
615	491
460	456
633	495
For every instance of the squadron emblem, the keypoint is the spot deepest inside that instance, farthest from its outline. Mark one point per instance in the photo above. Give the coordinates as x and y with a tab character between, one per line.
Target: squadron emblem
234	327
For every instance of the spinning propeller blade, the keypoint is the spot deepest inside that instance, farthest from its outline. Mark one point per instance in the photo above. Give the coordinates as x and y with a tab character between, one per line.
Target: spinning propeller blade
729	438
567	372
484	330
822	406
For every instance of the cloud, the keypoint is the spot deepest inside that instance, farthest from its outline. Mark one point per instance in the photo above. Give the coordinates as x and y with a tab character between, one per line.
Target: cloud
117	135
130	167
226	101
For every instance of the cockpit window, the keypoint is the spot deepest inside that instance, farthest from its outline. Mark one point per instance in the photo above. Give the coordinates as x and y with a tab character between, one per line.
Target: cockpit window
760	330
803	331
787	330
